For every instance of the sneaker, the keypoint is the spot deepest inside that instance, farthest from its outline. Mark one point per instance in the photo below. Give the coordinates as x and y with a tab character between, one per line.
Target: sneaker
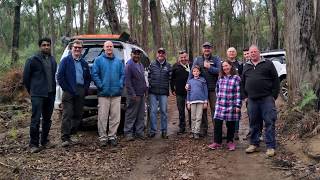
214	146
140	137
261	138
270	152
236	136
164	135
231	146
129	138
113	142
48	145
35	149
151	135
65	143
181	131
196	136
103	143
251	149
74	139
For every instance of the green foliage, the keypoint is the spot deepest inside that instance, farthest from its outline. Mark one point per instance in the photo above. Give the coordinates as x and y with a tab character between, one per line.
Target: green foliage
13	133
308	100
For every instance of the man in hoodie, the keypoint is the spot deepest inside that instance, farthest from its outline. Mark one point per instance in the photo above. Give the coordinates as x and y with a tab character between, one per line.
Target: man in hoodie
108	76
74	78
39	80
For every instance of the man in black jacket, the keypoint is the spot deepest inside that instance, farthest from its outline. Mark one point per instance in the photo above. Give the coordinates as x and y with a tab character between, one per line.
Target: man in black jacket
39	80
159	77
179	78
261	87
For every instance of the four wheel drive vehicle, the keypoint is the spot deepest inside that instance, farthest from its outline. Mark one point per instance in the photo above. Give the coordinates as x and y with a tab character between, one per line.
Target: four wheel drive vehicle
278	57
92	48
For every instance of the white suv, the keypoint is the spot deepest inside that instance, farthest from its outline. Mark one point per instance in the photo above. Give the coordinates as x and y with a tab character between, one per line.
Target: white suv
278	57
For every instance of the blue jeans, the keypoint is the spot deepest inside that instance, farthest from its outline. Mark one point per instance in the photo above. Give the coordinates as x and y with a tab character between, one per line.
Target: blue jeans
262	109
154	101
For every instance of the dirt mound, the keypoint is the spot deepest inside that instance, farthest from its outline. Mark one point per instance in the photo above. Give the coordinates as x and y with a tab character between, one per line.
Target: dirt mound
11	87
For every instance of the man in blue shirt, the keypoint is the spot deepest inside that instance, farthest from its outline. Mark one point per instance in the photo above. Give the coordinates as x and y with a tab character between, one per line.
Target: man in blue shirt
74	78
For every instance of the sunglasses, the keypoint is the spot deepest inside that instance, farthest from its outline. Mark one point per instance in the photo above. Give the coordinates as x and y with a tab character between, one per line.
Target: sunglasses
77	47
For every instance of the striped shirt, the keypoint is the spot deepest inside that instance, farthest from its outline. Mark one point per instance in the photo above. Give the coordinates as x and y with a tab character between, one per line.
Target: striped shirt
228	98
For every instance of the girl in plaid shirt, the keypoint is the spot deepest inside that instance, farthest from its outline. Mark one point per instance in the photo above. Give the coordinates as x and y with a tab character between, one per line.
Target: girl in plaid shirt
228	105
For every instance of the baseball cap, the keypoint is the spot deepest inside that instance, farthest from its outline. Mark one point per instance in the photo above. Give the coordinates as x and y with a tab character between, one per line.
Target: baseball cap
161	49
206	44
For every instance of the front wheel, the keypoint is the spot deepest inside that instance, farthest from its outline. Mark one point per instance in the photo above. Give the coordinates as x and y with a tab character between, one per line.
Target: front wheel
284	89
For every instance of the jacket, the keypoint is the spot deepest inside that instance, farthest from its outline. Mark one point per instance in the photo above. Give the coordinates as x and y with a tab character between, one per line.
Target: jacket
260	80
211	74
66	75
108	75
159	76
34	76
198	91
179	79
135	81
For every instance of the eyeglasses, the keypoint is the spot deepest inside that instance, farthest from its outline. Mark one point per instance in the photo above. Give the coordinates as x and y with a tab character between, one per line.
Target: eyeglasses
77	47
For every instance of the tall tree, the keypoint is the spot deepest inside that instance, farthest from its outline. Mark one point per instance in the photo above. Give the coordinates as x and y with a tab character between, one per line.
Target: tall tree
68	19
91	12
144	35
16	32
193	10
111	14
38	19
273	21
169	18
302	42
52	27
156	28
81	4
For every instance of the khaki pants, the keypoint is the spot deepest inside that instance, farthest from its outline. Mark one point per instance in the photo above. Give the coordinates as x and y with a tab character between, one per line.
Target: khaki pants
108	108
196	116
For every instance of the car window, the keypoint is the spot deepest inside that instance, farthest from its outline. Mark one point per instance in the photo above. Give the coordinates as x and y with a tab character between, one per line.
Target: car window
280	58
89	53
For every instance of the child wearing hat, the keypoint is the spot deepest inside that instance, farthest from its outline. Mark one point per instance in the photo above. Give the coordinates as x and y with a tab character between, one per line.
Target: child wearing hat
197	99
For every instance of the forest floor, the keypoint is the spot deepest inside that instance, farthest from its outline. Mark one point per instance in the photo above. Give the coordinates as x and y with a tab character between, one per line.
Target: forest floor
178	157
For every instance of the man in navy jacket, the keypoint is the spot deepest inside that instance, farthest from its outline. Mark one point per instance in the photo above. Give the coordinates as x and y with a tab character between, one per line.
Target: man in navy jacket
74	78
39	80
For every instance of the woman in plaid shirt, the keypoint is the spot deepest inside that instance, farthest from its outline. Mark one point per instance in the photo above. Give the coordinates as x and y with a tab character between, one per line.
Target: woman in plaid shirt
228	105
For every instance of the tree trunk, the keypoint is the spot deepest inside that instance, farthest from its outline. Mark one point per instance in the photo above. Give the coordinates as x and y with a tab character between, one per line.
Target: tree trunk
192	26
156	30
68	22
91	12
273	22
130	16
172	40
81	4
111	14
38	19
302	42
15	34
144	35
52	28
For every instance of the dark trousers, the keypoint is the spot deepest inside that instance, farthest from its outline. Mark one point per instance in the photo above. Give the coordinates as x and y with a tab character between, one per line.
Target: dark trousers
41	106
134	119
181	104
218	130
260	125
262	109
204	121
72	112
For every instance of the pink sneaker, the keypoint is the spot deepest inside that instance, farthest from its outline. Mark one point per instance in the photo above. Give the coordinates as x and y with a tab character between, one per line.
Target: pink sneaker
231	146
214	146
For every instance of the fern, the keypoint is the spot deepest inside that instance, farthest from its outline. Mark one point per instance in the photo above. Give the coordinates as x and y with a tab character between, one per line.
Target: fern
309	98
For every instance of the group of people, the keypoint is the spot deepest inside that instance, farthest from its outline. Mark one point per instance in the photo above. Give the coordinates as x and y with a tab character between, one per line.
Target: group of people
206	82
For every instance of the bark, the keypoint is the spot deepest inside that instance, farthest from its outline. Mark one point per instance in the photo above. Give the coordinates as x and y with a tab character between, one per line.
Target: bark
302	45
172	40
81	4
39	26
52	28
111	14
192	26
68	22
16	32
144	35
156	30
273	22
130	16
91	12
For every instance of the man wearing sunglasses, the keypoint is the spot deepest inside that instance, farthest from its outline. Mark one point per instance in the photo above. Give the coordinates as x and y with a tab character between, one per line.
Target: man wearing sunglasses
74	78
39	80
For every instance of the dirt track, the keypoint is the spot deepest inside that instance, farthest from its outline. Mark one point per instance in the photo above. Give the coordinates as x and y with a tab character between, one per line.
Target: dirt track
179	157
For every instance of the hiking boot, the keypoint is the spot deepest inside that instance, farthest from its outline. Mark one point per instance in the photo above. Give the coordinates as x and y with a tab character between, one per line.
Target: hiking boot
65	143
270	152
151	135
214	146
103	143
196	136
164	135
140	137
113	142
49	145
251	149
231	146
35	149
236	136
129	138
181	131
